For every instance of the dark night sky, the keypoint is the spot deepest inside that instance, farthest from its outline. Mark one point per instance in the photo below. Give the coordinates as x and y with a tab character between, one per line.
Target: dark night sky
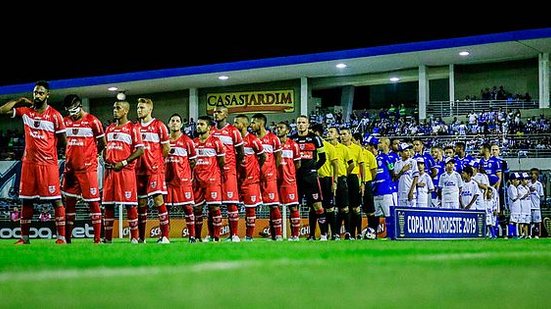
57	53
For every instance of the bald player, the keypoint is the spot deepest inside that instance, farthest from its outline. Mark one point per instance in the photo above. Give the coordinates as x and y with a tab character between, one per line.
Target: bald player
124	146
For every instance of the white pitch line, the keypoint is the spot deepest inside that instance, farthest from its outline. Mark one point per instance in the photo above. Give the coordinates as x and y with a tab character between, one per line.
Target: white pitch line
479	255
104	272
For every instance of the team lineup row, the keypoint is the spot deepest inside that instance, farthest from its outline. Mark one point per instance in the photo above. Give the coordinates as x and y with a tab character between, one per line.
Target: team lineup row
225	164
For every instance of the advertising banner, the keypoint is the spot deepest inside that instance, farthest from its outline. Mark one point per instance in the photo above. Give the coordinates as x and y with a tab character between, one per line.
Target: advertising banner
273	101
431	223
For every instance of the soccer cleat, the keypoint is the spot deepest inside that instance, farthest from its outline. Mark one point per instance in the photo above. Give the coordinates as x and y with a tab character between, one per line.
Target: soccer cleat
192	240
134	241
107	241
60	241
235	238
22	242
278	238
311	238
248	239
141	241
347	236
323	238
293	238
163	240
536	237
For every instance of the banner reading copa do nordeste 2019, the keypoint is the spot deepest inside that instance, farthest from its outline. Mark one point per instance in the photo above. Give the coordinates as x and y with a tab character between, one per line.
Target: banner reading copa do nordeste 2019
408	223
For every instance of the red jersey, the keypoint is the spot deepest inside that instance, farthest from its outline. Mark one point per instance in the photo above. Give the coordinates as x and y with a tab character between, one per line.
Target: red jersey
154	134
121	143
82	146
178	170
271	145
40	131
230	138
252	147
206	168
289	154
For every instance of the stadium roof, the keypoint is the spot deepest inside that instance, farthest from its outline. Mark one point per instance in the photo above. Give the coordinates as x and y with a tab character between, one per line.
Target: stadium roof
498	47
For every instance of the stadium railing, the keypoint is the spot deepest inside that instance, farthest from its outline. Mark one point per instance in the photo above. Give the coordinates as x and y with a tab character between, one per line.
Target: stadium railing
464	107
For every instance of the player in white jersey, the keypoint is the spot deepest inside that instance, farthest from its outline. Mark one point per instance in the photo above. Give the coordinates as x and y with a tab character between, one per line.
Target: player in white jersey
425	185
536	195
449	186
491	202
482	180
407	173
470	193
525	205
513	202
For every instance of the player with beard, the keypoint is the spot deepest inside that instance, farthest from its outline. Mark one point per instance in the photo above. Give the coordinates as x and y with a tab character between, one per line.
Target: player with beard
233	144
178	171
124	146
207	181
150	169
286	178
85	140
44	132
268	173
249	173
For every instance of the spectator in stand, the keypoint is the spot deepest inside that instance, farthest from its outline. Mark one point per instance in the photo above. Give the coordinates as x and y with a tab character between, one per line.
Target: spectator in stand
15	215
45	215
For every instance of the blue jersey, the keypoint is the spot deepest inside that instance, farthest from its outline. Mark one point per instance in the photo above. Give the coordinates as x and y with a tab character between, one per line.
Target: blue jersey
382	183
491	166
440	167
460	163
429	161
394	157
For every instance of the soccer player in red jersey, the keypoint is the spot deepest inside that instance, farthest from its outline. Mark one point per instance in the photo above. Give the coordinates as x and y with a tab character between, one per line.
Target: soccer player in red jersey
178	166
44	132
268	178
124	146
85	139
207	181
233	144
150	169
286	178
249	173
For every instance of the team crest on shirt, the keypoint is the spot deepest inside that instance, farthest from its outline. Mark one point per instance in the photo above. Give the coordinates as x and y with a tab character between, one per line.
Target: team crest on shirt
93	191
253	198
115	135
127	194
51	189
187	194
271	196
37	123
143	136
75	131
154	184
315	196
213	194
230	194
291	196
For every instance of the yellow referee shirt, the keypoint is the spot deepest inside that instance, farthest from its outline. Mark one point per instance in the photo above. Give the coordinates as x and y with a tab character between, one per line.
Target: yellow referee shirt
326	170
343	157
370	162
355	154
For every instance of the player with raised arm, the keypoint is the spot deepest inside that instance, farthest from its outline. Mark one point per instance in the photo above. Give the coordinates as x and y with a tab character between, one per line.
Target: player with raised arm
124	146
178	172
207	181
150	169
44	132
249	173
85	140
233	144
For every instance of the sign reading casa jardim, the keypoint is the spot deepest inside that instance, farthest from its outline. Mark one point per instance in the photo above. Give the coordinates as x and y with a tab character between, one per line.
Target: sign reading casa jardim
273	101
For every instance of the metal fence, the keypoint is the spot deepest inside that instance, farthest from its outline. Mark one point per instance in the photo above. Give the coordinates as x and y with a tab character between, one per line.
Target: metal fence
458	107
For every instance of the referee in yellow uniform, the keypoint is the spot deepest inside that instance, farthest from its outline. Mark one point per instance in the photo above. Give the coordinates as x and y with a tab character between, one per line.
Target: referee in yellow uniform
353	179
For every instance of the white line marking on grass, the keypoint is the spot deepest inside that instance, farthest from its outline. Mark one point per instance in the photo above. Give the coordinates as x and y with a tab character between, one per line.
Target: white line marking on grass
479	255
104	272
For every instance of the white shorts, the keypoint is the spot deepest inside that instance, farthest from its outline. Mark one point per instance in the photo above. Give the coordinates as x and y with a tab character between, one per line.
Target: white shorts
382	205
536	216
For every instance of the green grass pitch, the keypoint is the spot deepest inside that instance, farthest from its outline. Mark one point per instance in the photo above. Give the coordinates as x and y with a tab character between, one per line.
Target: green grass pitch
265	274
